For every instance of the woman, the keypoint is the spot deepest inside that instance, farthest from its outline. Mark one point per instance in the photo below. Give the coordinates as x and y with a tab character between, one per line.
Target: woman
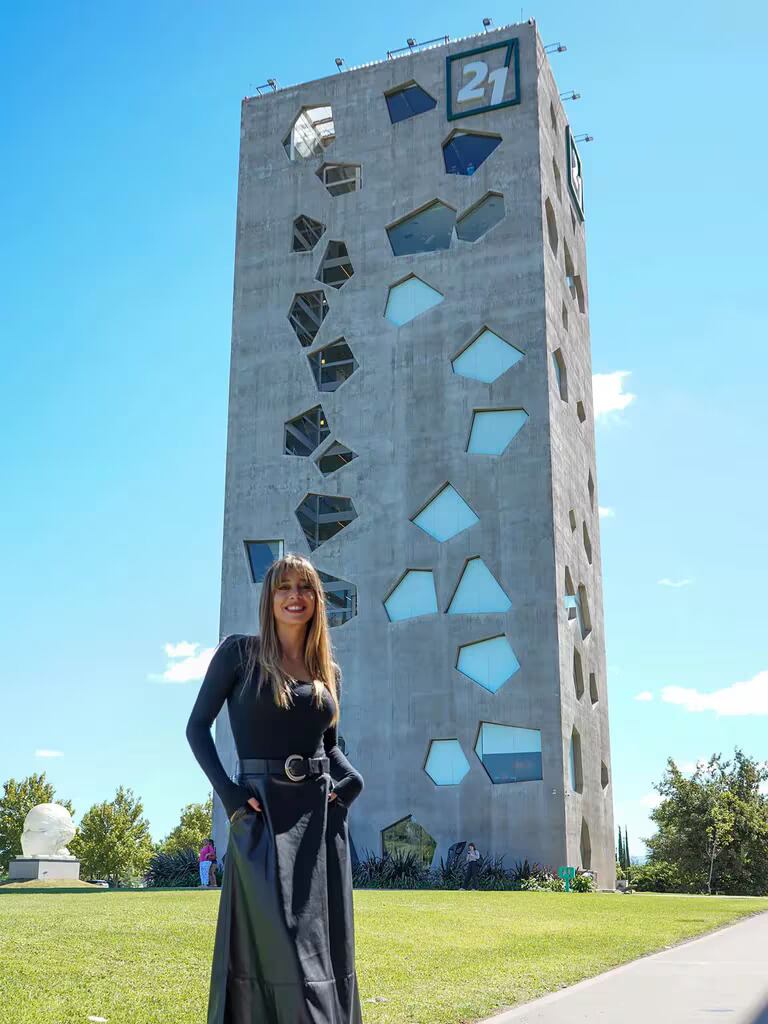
207	859
473	866
284	950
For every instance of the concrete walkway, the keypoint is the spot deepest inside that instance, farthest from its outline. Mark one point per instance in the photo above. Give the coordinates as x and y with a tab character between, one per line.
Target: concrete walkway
721	977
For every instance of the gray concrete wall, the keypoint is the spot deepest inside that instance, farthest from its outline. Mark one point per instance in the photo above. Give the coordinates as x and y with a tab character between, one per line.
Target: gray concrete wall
407	415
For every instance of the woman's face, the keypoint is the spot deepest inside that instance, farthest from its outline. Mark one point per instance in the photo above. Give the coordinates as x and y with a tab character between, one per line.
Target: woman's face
293	600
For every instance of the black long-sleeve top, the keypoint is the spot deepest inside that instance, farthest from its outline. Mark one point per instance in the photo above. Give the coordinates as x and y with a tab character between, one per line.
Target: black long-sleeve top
261	728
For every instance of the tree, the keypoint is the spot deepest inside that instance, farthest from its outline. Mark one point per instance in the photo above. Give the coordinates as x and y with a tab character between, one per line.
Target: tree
713	826
195	826
16	802
113	841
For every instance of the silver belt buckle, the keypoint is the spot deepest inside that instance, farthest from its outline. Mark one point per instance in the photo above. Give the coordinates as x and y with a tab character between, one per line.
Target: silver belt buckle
289	773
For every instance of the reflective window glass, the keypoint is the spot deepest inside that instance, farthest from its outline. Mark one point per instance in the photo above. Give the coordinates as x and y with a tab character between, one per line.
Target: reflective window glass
261	554
307	313
446	762
478	591
340	602
464	152
306	233
490	663
426	231
407	102
414	595
486	358
334	457
408	837
341	178
336	268
332	365
492	430
446	515
410	298
322	516
481	218
311	132
510	754
304	433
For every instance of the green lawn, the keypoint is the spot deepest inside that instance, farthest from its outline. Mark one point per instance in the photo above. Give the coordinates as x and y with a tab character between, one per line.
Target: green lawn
435	957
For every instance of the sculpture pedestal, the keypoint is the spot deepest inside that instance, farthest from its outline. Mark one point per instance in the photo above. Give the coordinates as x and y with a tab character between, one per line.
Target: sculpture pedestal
46	869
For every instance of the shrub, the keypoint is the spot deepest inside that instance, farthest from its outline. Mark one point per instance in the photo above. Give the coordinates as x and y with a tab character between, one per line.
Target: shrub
174	870
582	882
659	876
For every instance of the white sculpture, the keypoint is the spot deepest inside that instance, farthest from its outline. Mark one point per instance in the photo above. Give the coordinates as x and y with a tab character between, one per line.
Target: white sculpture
47	830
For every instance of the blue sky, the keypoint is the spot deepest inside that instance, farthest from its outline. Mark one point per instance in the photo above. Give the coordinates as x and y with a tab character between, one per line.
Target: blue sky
119	149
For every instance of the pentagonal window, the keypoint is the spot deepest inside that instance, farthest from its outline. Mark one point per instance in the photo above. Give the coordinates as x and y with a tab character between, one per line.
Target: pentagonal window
493	429
481	217
426	230
307	313
594	696
509	753
414	595
464	152
489	663
306	233
446	515
585	618
574	763
561	374
407	101
340	602
604	775
332	365
572	602
587	542
409	298
580	411
261	554
322	516
446	762
334	457
486	357
311	132
341	178
304	433
336	268
408	837
573	281
578	675
551	226
585	847
478	591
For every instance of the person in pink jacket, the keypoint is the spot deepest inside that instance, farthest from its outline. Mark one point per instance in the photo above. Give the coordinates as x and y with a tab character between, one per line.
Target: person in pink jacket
206	858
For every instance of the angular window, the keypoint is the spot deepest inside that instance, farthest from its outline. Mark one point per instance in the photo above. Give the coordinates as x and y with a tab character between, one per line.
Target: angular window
478	591
306	233
493	429
604	775
584	618
311	132
261	554
406	836
304	433
413	595
407	101
509	754
340	602
574	763
307	313
580	411
426	230
573	281
551	226
336	268
489	663
594	696
553	116
486	358
341	178
578	675
465	151
572	602
587	542
572	519
446	762
561	374
581	302
446	515
591	490
558	179
585	847
334	457
481	217
409	298
332	365
322	516
565	316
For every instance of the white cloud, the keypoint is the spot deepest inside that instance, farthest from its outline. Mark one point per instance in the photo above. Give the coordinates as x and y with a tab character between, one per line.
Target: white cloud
49	753
746	698
608	394
666	582
604	512
644	695
185	663
651	800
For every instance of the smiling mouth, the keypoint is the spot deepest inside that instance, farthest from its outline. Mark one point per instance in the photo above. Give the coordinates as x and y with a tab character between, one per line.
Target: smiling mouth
296	608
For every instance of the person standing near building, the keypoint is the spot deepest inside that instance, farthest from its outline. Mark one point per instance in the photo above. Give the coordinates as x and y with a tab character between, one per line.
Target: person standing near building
473	866
206	857
284	947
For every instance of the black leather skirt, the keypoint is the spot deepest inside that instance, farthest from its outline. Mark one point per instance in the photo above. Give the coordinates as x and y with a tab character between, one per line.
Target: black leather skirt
285	948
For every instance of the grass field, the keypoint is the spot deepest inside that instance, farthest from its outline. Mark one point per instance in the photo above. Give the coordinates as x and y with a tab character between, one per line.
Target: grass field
431	957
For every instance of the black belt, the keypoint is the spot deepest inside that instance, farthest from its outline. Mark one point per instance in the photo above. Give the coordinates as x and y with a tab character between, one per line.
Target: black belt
295	766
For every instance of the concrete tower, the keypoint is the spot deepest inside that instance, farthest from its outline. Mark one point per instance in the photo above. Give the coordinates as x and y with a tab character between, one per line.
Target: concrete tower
411	407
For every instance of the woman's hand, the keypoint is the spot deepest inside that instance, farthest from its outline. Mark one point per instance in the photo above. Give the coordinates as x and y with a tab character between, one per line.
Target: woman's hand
254	803
331	796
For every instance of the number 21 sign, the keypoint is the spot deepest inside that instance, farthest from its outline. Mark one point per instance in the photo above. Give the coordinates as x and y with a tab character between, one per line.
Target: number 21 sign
484	79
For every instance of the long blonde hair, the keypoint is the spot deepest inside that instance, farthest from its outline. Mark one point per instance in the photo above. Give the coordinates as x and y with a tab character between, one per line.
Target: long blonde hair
263	652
